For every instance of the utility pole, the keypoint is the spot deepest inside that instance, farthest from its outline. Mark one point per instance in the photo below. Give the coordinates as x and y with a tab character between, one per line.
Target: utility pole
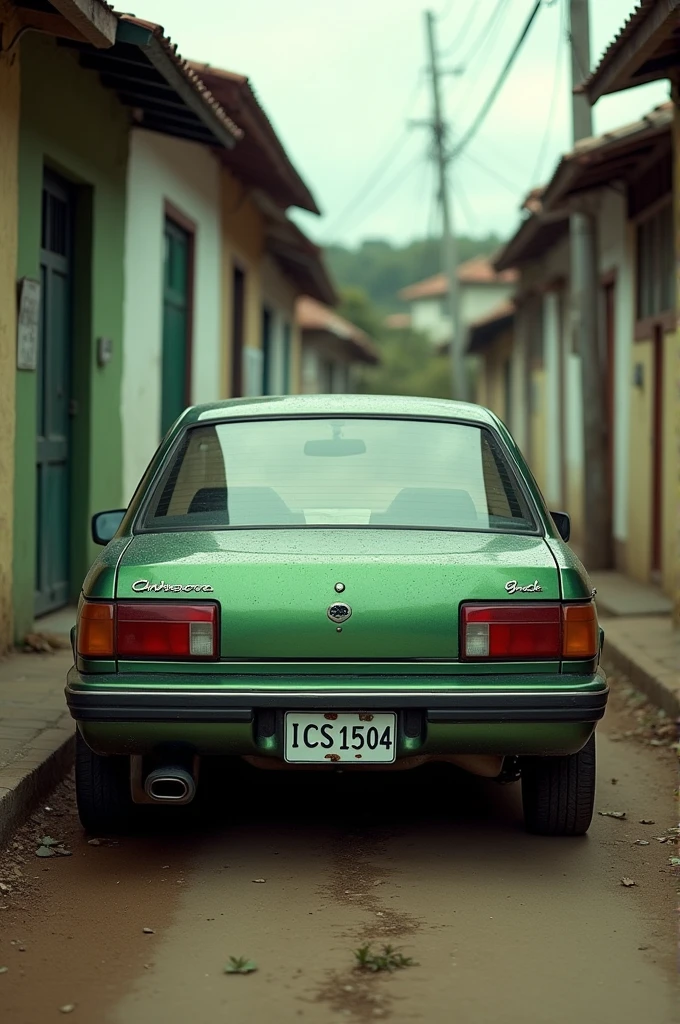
459	383
584	300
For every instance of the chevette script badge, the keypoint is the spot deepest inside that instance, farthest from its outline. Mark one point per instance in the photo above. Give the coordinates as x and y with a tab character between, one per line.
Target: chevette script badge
513	587
339	612
143	586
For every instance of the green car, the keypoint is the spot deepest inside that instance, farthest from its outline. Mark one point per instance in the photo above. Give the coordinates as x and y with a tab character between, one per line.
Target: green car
336	582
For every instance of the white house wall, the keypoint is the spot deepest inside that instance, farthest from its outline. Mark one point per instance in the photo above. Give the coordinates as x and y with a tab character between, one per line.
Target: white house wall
431	315
616	247
186	175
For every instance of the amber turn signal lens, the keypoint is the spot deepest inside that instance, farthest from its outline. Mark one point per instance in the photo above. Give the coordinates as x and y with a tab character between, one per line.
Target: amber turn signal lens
95	630
580	636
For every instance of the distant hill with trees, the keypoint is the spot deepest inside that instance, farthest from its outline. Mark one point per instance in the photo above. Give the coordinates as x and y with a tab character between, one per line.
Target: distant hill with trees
382	269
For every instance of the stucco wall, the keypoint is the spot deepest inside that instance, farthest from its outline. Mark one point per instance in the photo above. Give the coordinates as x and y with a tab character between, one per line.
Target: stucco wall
279	295
243	246
9	152
638	549
163	169
431	317
71	123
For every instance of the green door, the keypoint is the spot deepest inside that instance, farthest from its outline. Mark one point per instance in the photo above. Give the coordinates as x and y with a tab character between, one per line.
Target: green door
176	387
53	380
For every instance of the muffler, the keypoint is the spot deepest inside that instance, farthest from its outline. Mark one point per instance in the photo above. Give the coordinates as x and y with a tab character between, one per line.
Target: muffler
170	785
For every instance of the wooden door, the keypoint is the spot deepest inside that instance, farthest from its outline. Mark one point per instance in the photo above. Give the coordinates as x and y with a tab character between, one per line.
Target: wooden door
53	380
657	457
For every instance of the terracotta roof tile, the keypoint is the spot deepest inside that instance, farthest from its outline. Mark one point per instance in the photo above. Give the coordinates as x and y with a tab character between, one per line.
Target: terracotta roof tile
314	316
478	270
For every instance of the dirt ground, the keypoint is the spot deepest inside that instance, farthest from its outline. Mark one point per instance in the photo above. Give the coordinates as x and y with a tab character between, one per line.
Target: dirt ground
296	873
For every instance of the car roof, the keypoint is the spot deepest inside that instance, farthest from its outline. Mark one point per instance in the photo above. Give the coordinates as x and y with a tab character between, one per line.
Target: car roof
322	405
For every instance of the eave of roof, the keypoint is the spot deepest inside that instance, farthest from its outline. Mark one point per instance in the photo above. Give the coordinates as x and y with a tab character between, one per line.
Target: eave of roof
315	316
299	258
86	21
484	331
148	75
594	162
260	159
610	157
646	49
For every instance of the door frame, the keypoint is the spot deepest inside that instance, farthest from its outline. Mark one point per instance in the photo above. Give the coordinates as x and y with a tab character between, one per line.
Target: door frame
176	216
656	552
63	189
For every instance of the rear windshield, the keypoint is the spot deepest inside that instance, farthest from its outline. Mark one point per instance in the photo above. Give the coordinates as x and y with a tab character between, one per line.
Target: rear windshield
334	472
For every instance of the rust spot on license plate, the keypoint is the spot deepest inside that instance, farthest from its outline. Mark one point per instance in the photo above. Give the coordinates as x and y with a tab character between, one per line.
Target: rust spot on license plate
332	757
331	716
365	718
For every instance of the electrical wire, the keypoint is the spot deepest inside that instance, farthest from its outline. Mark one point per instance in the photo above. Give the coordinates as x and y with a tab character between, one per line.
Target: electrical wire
446	12
498	84
514	188
377	173
486	34
462	34
557	81
389	189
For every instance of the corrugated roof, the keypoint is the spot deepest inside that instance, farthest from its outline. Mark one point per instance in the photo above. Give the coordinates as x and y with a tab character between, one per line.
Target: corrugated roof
478	270
592	163
260	159
634	26
314	316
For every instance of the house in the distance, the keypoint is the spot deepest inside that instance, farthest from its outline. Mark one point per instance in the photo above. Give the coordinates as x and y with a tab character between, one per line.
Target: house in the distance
481	289
332	349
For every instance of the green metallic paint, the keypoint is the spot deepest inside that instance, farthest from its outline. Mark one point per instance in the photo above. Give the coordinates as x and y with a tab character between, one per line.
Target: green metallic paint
404	586
274	587
368	676
237	739
59	97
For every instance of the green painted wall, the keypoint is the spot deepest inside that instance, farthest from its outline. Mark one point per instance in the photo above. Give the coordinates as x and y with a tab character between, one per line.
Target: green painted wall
75	126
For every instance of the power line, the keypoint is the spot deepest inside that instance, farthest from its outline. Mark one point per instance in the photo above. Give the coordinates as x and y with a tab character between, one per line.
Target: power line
461	35
557	81
499	83
493	173
389	188
486	32
376	175
446	12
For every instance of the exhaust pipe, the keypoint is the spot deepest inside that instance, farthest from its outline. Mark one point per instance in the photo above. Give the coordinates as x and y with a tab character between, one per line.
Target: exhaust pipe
170	785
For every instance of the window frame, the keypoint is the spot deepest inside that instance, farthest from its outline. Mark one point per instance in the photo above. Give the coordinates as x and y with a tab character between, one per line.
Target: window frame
651	219
517	477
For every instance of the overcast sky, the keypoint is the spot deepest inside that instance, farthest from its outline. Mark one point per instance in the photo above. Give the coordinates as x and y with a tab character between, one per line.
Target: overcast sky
340	78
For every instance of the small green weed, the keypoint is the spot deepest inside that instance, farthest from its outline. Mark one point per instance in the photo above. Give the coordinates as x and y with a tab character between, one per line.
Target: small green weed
387	959
240	965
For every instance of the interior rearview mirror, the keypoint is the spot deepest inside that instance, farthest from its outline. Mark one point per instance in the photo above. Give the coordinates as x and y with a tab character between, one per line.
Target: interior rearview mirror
338	447
105	525
563	524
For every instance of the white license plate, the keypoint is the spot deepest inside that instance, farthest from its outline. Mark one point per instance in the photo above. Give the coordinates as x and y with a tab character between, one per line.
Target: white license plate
343	738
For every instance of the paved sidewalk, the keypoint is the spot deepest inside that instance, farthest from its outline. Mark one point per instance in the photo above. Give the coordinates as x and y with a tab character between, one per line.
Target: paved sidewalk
36	732
647	650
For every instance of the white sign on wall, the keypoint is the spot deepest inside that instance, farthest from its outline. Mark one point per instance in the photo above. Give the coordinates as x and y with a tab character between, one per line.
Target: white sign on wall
28	324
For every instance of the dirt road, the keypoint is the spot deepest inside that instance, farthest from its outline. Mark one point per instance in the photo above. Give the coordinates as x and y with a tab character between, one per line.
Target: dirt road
504	927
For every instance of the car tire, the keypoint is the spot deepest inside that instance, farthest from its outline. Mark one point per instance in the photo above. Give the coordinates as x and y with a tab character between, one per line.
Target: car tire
103	795
558	793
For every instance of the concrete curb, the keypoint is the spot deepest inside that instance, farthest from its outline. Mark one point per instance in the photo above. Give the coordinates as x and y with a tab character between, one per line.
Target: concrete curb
643	674
28	780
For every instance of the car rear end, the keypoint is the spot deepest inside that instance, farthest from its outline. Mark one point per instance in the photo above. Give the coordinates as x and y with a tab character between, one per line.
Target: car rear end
302	591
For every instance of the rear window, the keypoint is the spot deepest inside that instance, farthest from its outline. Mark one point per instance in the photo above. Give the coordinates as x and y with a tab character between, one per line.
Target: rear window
335	472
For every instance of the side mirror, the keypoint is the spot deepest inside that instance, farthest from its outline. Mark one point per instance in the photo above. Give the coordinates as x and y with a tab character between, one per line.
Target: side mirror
105	525
563	524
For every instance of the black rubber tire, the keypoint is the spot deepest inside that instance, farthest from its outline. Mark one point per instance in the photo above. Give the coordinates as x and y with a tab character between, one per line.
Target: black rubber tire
103	795
558	793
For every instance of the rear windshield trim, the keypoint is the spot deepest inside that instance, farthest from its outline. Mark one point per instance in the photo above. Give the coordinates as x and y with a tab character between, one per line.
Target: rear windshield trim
517	479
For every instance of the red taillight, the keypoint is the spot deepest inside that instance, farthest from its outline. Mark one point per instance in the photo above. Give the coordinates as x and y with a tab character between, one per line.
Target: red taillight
510	631
165	629
506	631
